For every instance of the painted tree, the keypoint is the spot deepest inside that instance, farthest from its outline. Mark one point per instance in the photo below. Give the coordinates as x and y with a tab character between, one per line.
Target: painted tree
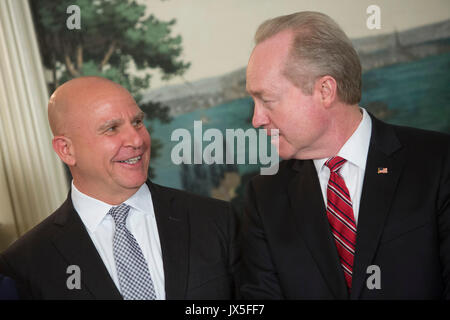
115	38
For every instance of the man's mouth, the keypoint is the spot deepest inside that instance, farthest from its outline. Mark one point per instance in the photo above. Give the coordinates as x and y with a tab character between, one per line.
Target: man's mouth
132	160
272	132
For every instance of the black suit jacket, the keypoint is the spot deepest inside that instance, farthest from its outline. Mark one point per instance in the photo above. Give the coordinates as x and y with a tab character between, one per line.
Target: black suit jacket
198	243
403	225
8	289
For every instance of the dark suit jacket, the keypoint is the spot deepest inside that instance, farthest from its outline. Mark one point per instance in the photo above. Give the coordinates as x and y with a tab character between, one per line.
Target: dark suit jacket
8	289
403	225
198	243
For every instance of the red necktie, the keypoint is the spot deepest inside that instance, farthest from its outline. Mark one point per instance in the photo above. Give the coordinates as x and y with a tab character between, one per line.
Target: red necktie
341	218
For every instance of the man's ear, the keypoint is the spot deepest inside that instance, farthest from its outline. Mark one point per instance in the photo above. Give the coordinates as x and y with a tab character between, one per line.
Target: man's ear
326	88
64	149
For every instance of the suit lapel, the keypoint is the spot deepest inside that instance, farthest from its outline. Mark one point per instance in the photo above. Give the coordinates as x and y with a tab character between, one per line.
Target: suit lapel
308	207
172	224
377	194
75	245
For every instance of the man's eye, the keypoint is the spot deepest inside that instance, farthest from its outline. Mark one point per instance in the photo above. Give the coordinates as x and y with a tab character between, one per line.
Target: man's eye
111	129
138	123
266	102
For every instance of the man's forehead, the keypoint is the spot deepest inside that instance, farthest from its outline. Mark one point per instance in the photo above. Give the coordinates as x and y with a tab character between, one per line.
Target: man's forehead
258	89
263	76
109	112
267	62
278	44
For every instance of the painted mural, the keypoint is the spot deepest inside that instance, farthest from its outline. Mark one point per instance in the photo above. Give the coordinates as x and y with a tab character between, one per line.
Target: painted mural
406	77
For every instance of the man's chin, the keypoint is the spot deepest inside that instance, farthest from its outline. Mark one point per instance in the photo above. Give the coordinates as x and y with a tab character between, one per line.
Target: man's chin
286	153
133	182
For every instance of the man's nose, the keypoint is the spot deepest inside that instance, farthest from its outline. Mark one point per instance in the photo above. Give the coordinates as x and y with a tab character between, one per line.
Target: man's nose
133	137
259	117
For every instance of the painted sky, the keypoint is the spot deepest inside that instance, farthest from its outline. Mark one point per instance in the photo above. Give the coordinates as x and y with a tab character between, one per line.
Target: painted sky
218	34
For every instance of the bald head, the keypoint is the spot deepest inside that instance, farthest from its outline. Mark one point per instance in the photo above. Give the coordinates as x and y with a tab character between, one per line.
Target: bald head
78	96
99	133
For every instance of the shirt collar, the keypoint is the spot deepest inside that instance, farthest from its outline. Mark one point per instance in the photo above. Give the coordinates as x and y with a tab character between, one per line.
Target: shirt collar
356	147
93	211
142	200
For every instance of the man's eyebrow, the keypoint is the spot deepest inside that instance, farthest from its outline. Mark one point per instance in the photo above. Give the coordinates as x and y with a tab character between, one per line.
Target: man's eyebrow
255	93
110	123
139	116
116	122
260	94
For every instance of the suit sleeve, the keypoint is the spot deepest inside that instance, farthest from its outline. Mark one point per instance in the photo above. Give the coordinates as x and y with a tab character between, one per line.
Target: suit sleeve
20	283
258	276
444	222
8	289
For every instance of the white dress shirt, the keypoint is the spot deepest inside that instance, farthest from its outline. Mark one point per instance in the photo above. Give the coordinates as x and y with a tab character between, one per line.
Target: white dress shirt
141	222
355	151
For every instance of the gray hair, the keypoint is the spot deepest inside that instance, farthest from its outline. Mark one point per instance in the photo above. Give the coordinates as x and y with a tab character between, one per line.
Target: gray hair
319	48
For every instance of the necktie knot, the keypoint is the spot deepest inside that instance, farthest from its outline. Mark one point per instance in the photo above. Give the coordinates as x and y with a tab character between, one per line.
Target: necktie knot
335	163
120	214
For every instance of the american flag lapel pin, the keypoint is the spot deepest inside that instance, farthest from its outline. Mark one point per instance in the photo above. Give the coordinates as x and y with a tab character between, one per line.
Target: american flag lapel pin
382	170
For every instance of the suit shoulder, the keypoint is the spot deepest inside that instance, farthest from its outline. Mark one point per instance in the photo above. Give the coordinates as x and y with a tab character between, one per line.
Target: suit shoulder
422	139
194	202
36	238
277	180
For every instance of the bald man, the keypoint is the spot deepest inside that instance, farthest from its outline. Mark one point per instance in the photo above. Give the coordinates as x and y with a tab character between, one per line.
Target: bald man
118	235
